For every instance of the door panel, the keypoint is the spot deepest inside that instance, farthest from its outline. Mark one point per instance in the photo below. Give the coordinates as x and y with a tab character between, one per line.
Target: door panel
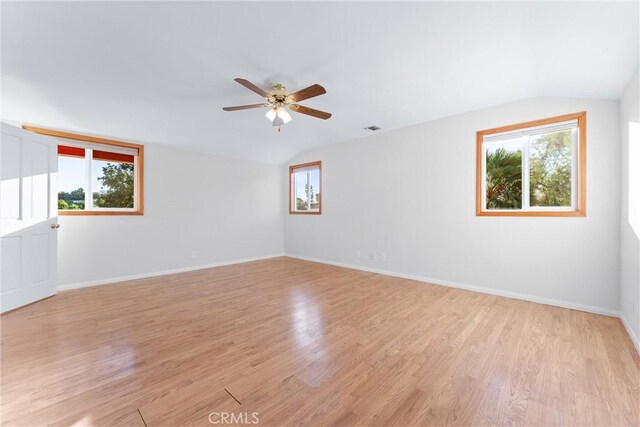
11	164
37	247
28	243
11	251
39	181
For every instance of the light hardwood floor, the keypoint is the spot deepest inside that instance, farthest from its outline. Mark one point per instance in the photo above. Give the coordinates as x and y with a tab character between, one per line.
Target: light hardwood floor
302	343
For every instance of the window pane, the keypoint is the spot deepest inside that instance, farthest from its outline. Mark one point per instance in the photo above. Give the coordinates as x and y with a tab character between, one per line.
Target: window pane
307	189
71	180
504	174
112	184
550	161
314	189
300	179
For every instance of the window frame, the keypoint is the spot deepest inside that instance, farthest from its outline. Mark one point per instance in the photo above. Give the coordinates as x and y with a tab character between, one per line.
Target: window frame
580	209
292	169
138	170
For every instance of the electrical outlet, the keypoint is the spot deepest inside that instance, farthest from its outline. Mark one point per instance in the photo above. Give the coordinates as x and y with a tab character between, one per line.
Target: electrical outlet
372	256
383	257
194	254
358	254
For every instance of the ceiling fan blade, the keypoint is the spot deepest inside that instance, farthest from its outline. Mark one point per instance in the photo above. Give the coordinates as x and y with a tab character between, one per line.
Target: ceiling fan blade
308	92
246	83
245	107
309	111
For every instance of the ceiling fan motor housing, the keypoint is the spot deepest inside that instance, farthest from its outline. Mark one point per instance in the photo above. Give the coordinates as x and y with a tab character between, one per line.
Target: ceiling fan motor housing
280	98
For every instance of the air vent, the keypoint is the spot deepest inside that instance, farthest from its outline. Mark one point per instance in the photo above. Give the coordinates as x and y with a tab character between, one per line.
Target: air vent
373	128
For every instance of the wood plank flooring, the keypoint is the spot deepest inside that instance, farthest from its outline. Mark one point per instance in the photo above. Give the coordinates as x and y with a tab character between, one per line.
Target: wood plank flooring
301	343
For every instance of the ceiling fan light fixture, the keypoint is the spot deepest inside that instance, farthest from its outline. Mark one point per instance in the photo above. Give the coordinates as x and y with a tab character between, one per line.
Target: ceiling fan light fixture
271	114
277	121
278	116
284	115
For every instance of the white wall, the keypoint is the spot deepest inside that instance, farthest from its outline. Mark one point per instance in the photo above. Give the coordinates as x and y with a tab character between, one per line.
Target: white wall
225	209
630	196
410	194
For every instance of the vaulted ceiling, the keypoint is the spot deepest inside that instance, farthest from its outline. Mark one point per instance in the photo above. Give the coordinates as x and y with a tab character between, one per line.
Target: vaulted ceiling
160	72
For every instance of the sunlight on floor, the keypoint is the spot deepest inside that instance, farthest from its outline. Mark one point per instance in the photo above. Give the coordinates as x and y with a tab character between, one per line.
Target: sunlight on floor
307	324
87	420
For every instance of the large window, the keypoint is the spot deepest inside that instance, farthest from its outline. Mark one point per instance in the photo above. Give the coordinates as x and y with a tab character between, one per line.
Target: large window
304	188
533	169
97	176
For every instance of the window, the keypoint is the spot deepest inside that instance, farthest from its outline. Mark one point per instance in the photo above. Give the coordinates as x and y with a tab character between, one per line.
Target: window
97	176
533	169
305	188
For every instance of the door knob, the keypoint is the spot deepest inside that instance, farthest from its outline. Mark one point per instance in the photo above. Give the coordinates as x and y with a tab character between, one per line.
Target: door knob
55	225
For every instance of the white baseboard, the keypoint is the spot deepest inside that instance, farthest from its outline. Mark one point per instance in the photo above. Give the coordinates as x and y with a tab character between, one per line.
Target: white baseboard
111	280
481	289
634	338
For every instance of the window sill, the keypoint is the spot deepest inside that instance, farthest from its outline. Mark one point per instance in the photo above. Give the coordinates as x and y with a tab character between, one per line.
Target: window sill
533	213
81	213
304	213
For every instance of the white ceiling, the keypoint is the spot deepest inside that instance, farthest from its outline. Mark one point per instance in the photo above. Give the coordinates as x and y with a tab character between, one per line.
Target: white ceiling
161	72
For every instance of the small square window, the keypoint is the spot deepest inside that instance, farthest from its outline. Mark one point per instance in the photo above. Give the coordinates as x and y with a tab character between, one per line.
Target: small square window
305	182
533	169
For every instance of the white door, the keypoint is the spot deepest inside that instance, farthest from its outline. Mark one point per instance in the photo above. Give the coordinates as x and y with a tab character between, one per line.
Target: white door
28	217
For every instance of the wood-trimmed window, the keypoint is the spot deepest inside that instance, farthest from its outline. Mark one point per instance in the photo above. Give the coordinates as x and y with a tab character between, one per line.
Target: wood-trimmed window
536	168
97	176
305	181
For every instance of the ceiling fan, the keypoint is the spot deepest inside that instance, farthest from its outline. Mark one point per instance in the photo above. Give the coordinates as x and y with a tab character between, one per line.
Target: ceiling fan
279	100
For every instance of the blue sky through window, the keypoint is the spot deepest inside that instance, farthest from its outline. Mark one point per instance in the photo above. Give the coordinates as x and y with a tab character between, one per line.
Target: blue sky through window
71	173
